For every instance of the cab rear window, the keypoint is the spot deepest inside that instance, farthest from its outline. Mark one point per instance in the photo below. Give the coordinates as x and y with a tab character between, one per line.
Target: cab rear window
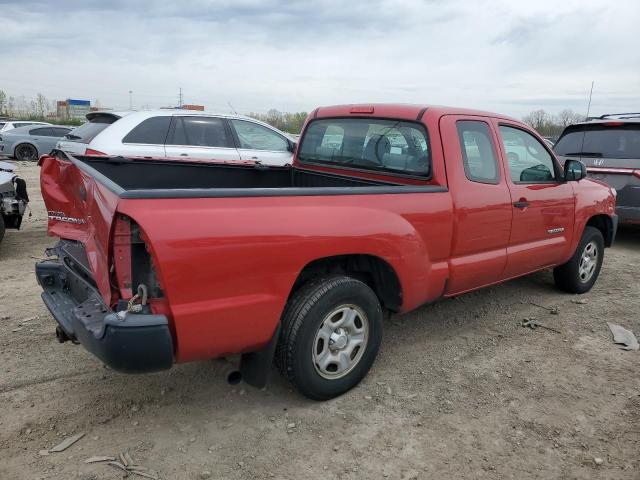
392	146
600	140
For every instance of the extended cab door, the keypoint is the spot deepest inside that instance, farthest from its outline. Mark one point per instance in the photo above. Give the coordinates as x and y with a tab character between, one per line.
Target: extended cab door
542	203
481	202
206	138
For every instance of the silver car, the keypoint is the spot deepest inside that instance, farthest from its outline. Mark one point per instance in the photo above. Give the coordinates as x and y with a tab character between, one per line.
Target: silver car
11	124
28	143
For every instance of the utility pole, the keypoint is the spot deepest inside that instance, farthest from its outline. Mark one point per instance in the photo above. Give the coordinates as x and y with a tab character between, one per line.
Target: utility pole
180	98
130	99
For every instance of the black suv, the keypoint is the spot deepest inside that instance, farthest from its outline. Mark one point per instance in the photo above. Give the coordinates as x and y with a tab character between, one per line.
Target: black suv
610	148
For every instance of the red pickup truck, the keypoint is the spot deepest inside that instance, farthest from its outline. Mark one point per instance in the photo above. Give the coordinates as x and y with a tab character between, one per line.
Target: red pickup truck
385	208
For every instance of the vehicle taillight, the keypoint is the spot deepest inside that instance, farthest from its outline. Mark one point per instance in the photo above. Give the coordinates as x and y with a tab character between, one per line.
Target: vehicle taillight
91	151
612	124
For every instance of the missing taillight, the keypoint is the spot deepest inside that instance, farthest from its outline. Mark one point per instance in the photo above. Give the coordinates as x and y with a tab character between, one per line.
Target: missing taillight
132	262
122	256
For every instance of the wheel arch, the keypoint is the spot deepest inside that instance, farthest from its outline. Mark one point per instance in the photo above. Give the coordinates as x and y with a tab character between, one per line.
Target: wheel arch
372	270
603	223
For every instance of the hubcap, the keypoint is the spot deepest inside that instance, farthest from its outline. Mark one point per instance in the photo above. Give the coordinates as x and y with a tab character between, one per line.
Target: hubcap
588	262
340	342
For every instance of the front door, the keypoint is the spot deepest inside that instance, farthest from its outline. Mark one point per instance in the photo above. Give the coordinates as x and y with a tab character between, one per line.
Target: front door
543	203
261	144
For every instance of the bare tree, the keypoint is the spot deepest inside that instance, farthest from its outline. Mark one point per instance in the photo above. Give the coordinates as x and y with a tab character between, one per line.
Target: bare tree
42	106
537	119
3	102
568	117
11	106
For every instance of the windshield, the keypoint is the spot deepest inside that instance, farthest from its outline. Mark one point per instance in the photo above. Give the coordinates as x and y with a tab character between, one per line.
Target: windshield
621	141
88	131
368	143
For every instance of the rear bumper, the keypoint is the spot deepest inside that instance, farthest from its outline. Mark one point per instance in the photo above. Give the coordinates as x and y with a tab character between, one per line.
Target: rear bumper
628	214
627	185
136	344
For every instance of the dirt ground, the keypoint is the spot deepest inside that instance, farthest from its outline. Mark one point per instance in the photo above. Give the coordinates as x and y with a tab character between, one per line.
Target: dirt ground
460	390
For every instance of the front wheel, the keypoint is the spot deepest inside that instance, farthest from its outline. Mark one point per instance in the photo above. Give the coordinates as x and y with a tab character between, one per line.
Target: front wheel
580	273
331	333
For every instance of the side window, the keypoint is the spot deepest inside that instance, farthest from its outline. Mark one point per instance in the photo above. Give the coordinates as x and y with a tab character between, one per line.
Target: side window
200	132
478	155
256	137
529	161
43	132
152	131
60	132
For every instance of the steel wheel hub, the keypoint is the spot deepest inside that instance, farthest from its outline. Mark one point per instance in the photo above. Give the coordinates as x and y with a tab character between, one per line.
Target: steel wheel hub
588	262
340	341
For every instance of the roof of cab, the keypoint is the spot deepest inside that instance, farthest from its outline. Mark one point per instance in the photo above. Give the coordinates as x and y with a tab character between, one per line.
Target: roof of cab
400	110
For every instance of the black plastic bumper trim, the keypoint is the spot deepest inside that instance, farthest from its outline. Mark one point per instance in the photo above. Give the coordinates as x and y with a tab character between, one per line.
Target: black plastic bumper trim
138	343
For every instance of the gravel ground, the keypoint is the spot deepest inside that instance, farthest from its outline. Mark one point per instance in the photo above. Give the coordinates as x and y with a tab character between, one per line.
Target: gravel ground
459	390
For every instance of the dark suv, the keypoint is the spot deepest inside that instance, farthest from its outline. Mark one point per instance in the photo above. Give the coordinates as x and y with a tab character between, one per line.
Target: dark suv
610	148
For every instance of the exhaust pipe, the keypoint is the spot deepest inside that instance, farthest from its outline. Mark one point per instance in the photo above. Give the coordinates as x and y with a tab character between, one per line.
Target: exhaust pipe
231	372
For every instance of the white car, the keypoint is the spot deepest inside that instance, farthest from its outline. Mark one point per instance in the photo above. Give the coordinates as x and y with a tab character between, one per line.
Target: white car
11	124
181	134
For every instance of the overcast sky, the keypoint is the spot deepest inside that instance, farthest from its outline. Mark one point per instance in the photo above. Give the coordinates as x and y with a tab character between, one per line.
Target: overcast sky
509	56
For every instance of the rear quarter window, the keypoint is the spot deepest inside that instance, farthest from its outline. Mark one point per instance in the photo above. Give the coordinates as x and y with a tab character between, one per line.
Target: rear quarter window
390	146
151	131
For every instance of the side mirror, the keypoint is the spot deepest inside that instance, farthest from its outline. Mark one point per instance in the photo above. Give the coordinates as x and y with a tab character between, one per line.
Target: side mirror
574	171
292	146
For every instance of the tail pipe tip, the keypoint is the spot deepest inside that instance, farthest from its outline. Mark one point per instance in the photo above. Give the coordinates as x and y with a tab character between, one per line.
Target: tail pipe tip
232	374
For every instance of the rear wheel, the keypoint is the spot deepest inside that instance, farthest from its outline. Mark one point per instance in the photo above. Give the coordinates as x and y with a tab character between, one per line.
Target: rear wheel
331	333
580	273
26	152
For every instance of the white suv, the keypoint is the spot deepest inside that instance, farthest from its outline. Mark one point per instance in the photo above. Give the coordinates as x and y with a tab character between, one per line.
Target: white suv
181	134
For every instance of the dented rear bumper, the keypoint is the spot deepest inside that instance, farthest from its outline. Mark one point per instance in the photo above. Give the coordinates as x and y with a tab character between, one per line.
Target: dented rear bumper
136	343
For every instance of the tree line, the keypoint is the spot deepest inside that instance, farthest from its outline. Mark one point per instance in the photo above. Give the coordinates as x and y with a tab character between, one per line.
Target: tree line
549	125
285	121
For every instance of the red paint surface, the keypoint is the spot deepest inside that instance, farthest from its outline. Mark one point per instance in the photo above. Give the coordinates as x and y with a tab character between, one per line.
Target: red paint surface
227	265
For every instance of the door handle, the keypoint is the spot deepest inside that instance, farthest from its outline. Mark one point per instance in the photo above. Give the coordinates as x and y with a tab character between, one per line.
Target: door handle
522	204
184	154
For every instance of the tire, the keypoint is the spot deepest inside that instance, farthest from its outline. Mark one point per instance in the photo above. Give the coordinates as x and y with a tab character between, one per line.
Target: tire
26	152
2	228
580	273
331	318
